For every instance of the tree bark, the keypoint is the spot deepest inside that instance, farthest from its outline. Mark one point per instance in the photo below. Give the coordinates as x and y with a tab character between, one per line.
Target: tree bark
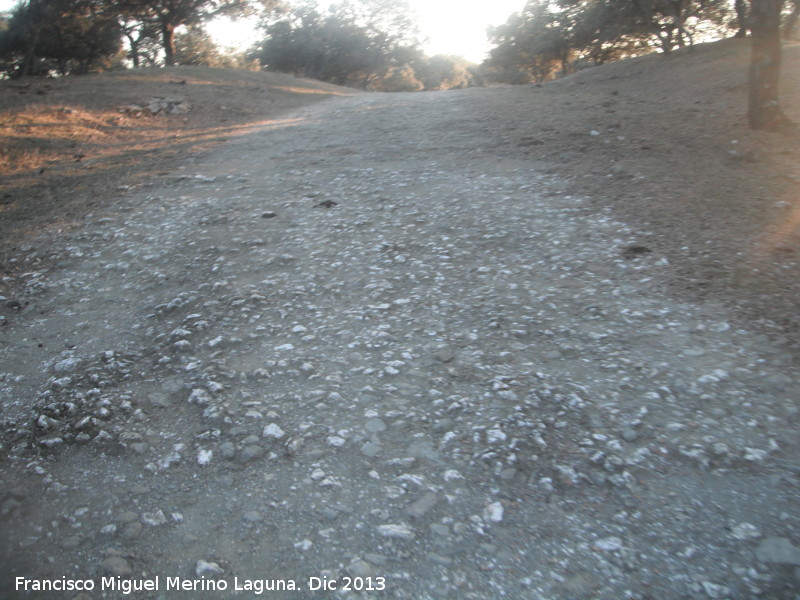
168	37
741	18
36	11
134	53
791	21
30	53
764	110
646	10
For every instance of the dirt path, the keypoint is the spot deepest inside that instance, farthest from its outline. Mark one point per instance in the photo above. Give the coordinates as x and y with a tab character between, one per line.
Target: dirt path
370	341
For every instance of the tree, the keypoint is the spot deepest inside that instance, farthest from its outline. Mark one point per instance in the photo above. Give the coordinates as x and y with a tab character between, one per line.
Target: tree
669	21
551	37
69	36
535	42
351	43
399	79
172	14
443	72
791	20
19	42
142	38
605	31
196	47
764	110
740	6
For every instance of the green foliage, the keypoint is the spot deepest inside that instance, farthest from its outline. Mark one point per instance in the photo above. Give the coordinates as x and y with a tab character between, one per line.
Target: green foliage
532	45
142	37
195	47
551	38
66	36
606	31
398	79
368	43
444	72
74	36
169	15
347	44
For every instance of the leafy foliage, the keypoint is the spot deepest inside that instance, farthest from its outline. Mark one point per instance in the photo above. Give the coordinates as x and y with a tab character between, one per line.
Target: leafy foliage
195	47
142	37
169	15
444	72
74	36
368	43
66	36
347	44
550	38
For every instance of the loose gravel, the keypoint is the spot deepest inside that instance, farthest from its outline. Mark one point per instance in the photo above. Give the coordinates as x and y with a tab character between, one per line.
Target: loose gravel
371	342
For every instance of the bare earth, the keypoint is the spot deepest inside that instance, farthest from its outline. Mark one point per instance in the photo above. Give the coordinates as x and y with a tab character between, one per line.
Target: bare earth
531	342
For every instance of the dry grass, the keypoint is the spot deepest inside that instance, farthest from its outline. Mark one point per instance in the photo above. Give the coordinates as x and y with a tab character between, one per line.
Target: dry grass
67	143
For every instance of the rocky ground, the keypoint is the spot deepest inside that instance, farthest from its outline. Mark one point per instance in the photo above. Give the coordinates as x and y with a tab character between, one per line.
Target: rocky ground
376	341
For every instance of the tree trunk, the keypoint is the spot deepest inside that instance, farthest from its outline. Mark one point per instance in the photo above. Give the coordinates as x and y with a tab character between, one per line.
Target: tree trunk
134	53
675	10
646	11
791	21
764	110
741	18
30	51
168	35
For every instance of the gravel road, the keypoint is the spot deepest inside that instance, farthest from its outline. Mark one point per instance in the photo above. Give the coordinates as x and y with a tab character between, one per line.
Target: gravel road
372	344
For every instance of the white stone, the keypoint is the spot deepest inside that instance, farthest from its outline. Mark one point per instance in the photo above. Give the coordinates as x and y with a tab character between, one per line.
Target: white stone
608	544
207	569
273	430
204	456
493	512
400	530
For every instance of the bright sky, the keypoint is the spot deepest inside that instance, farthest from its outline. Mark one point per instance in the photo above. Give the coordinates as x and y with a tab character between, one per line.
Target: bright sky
451	26
459	26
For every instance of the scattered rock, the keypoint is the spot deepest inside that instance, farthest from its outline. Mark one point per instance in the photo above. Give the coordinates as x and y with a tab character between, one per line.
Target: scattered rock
208	569
778	550
116	566
360	568
400	531
250	453
420	507
635	251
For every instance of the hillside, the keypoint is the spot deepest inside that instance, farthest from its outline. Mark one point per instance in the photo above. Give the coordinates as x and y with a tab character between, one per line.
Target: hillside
673	155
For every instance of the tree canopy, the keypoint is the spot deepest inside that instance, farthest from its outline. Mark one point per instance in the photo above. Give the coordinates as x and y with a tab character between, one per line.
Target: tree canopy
370	44
168	15
73	36
347	44
550	37
62	35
